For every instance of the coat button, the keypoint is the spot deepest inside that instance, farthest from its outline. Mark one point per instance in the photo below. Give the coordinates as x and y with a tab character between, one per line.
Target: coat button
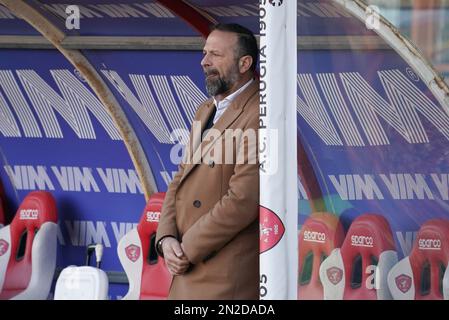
197	203
211	164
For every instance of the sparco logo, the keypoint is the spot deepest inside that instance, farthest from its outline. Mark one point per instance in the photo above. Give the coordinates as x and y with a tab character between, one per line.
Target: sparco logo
362	241
271	229
276	3
29	214
314	236
153	216
3	247
429	244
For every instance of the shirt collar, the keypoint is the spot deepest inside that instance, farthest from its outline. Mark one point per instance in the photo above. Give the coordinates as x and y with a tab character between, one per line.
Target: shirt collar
226	101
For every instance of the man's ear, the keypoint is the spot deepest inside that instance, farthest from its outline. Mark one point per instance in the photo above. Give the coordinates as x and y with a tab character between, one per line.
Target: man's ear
245	63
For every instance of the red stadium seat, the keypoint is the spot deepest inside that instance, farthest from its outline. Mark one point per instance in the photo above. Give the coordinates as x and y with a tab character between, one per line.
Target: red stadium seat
423	274
358	270
147	274
320	234
28	249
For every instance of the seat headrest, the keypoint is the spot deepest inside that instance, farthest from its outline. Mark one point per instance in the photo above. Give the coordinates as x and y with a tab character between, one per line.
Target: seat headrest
359	269
319	235
321	232
429	258
32	255
421	275
37	208
369	233
432	241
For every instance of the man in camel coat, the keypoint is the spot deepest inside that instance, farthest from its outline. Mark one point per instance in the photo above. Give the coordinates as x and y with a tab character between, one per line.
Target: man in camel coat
208	232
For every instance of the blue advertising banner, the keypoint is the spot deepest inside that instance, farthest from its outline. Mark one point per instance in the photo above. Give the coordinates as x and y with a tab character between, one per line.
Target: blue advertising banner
159	92
149	18
56	136
104	18
378	137
13	25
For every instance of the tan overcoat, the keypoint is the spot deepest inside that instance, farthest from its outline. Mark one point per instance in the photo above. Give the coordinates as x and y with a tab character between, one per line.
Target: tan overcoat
212	205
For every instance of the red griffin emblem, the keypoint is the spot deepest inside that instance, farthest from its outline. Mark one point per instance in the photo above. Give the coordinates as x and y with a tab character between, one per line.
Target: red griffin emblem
3	247
403	282
132	252
271	229
334	275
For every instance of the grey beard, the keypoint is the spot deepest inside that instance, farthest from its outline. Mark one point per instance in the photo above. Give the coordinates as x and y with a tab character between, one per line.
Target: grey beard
215	87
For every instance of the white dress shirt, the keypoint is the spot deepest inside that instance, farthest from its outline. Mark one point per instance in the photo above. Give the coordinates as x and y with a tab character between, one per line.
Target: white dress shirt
224	104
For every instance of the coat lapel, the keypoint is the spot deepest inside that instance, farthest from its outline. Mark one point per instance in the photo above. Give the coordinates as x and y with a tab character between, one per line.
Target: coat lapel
234	110
198	128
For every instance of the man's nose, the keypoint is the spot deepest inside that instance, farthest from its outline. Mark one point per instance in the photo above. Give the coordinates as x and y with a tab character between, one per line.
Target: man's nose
205	62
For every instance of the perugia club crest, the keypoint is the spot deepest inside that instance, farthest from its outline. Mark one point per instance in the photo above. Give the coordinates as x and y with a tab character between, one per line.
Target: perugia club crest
334	275
271	229
3	247
132	252
403	282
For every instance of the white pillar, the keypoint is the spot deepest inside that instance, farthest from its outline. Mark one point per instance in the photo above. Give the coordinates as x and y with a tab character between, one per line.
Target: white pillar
277	143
